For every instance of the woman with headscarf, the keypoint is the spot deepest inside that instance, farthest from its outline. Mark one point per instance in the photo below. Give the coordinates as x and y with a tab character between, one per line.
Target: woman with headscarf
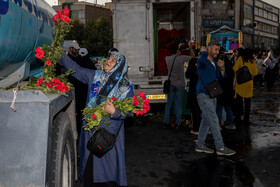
110	82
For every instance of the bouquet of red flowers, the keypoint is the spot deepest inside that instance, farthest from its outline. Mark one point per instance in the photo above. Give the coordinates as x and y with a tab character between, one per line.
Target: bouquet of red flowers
49	82
138	105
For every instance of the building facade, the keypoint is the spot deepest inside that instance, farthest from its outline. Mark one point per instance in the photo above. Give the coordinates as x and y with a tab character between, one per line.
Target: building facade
212	14
84	11
267	25
257	20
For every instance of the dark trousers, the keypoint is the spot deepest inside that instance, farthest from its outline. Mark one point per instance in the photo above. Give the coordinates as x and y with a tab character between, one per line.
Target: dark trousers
196	115
270	76
239	108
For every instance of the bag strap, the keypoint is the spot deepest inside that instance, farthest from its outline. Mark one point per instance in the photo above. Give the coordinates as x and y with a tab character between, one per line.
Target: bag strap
216	75
119	130
172	67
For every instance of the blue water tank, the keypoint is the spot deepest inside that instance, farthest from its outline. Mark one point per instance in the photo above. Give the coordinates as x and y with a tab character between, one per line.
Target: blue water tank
24	25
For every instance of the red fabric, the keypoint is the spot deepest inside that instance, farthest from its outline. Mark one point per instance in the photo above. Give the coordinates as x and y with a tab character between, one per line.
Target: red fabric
165	39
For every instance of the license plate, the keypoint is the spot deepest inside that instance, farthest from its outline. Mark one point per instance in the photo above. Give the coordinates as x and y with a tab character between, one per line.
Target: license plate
160	96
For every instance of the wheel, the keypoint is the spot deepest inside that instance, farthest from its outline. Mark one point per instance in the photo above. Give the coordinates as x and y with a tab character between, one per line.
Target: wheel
62	153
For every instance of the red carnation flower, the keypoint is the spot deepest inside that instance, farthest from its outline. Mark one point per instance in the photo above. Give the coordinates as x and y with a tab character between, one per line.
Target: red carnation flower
66	11
113	98
65	19
141	94
48	84
137	112
39	81
48	62
55	80
55	17
145	111
59	13
136	101
39	53
94	116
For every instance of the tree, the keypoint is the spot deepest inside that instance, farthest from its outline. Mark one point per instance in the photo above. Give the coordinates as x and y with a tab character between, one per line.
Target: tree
99	36
77	31
96	36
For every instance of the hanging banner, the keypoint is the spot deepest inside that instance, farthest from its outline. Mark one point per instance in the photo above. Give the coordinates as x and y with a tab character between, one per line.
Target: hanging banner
240	39
208	39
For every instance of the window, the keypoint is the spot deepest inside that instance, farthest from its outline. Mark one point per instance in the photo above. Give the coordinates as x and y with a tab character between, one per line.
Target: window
269	28
261	12
275	17
260	26
74	14
248	9
269	16
81	14
265	27
275	30
247	22
265	14
274	42
256	11
206	4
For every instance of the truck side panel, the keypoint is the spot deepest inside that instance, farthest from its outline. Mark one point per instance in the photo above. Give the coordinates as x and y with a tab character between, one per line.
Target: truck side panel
132	35
26	135
23	142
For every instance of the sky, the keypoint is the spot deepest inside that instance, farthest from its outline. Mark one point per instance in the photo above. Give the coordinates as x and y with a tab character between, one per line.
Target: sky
102	2
274	2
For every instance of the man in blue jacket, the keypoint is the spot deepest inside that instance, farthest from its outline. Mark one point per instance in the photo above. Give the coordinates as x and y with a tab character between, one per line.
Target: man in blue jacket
208	70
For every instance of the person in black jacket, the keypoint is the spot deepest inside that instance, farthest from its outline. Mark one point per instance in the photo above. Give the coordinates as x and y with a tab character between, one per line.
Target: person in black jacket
191	74
225	100
84	59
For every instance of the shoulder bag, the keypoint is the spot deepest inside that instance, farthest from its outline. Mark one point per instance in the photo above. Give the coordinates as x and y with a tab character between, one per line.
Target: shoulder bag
102	141
213	88
243	75
167	83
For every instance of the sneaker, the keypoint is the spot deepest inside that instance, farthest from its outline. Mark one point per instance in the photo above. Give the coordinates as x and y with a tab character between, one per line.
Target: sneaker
225	151
194	132
231	127
203	149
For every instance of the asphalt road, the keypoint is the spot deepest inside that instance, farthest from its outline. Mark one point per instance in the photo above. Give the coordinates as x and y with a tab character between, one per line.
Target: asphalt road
156	156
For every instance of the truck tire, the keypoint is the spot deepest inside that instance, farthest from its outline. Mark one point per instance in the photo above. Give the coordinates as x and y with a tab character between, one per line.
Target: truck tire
62	153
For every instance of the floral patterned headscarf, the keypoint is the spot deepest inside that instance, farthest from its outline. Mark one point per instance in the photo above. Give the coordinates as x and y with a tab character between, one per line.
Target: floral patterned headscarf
113	83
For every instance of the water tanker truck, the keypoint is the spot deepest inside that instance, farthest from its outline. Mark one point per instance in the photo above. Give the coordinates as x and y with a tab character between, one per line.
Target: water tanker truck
38	137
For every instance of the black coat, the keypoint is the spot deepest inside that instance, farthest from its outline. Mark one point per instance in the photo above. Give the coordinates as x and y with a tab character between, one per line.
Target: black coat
191	74
86	62
227	85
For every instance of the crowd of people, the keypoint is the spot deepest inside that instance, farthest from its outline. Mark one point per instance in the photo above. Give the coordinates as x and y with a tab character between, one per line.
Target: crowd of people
227	110
93	82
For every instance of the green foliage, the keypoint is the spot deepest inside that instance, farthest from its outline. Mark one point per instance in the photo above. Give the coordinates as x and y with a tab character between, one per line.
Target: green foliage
96	36
77	31
138	105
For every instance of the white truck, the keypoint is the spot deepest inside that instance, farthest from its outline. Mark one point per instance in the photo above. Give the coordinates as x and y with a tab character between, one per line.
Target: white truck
142	30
